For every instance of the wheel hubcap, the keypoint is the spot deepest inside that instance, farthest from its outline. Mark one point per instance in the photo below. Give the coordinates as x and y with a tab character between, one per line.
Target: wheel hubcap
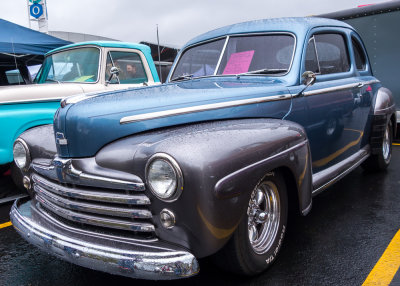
386	145
263	216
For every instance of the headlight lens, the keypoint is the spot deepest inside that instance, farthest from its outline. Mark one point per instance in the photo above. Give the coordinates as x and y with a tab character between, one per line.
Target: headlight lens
164	177
21	154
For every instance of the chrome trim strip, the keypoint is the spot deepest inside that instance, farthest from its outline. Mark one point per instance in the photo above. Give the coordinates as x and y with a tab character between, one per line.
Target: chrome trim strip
32	100
74	176
200	108
338	88
94	220
338	171
234	174
146	263
93	208
77	193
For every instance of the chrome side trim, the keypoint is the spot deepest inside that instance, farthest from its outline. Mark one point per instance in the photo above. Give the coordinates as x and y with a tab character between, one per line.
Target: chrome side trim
93	208
74	176
147	263
32	100
328	177
94	220
78	193
338	88
236	173
200	108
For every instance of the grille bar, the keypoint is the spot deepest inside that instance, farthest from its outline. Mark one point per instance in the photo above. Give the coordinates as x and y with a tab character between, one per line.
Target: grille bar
94	220
107	197
93	208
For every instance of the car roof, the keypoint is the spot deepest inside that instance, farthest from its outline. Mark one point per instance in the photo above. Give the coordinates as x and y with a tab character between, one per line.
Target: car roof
107	44
296	25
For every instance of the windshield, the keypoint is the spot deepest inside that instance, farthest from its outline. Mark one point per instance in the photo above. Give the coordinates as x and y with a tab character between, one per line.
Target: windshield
77	65
253	54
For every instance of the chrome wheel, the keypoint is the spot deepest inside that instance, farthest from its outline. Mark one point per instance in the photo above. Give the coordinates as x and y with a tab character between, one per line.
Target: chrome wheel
386	144
264	213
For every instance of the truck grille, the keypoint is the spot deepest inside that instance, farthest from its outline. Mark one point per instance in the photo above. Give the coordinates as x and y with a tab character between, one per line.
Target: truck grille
106	208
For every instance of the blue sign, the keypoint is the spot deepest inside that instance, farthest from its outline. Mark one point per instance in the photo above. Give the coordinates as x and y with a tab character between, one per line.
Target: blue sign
35	1
36	10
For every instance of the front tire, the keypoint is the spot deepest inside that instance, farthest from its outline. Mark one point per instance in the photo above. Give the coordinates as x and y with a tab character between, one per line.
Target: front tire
380	161
258	238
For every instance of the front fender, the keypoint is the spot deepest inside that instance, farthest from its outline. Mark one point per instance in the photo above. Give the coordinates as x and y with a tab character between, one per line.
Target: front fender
221	162
16	118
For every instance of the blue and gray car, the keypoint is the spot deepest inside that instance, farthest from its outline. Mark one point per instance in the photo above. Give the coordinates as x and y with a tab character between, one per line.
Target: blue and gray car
256	119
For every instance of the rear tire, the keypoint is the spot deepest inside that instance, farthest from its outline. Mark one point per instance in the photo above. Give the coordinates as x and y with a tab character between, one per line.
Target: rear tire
380	161
259	236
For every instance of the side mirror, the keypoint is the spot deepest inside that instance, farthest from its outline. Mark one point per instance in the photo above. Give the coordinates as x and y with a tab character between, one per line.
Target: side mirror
309	78
114	71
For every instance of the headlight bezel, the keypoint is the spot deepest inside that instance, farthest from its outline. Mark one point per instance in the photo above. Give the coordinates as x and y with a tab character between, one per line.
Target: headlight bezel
27	154
178	175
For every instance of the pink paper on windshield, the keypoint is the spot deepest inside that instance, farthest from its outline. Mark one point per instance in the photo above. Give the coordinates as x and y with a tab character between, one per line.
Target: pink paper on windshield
239	62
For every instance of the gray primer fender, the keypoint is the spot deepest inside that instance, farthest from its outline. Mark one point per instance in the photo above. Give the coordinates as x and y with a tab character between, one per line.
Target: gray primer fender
384	103
221	162
384	110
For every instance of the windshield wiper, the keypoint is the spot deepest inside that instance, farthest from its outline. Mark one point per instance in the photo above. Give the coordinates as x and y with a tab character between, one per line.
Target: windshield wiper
184	76
263	71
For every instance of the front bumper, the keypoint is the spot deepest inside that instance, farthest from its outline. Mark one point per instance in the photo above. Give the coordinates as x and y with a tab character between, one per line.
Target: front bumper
115	255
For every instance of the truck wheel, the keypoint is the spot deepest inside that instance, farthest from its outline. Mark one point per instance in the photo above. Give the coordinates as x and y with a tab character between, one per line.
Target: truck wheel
258	238
380	161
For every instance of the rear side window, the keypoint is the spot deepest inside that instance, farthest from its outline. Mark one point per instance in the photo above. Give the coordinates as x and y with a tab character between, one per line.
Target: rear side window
359	55
330	52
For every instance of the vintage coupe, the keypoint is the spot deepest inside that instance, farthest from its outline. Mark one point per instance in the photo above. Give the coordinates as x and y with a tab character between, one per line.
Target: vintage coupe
70	70
257	117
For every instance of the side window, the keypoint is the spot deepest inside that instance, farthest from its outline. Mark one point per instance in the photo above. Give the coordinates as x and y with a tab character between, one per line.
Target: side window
359	56
130	65
330	52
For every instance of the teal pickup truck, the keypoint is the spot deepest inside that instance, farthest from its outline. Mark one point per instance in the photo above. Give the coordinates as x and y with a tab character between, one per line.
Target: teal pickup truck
74	69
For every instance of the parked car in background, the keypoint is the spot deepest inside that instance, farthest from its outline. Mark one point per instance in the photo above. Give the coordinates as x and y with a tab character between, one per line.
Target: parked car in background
257	117
73	69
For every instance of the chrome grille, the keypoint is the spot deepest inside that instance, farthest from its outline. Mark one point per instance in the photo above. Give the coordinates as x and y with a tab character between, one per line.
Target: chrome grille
110	209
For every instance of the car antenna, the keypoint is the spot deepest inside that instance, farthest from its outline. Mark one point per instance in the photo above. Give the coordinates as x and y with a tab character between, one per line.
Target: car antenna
159	56
15	57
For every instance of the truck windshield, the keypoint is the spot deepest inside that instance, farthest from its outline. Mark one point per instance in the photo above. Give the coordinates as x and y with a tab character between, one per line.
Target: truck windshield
77	65
244	55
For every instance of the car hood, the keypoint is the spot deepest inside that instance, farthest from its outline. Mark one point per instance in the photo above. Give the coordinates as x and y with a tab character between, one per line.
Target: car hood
37	92
90	124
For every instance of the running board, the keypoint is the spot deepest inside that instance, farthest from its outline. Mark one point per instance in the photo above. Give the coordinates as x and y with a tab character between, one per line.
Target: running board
331	175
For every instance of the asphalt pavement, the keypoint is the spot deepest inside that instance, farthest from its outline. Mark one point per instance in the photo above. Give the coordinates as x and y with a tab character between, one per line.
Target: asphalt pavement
349	238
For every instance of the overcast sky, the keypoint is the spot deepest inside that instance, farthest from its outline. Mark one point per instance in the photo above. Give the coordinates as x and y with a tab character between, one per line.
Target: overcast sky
178	20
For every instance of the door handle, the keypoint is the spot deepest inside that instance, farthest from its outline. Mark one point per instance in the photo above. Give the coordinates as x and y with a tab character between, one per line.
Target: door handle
360	84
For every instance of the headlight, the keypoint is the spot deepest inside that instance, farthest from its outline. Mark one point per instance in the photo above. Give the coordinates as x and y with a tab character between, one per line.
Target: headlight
21	154
164	177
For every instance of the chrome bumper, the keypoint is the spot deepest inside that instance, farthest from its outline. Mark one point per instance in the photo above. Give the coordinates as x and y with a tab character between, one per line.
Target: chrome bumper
136	260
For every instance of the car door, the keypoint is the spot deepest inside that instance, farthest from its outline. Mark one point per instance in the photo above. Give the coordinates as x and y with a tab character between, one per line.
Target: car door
334	126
